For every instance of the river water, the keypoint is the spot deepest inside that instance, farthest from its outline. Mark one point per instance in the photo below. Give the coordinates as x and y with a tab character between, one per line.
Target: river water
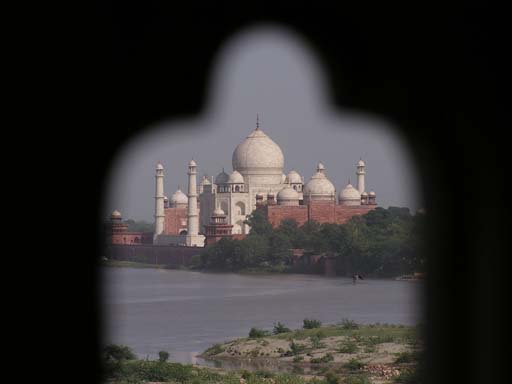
184	312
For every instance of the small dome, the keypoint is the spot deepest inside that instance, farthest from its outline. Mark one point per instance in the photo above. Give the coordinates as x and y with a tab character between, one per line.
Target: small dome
179	197
349	193
166	198
218	212
372	194
364	194
159	166
360	163
293	177
115	214
287	194
319	187
222	178
192	163
236	178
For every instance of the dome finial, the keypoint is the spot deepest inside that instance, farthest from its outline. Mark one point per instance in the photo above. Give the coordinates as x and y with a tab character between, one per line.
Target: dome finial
257	121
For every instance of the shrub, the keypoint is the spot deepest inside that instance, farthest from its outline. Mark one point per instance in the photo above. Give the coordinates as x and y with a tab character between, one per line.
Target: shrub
349	324
114	352
298	359
369	349
327	358
348	347
163	356
280	328
315	342
354	365
357	379
312	323
295	349
256	333
331	378
214	350
405	357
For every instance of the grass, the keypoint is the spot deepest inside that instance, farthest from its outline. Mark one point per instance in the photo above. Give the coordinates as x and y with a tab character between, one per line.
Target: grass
141	371
368	334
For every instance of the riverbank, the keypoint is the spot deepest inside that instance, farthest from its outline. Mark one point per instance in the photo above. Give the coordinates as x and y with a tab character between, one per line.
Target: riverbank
380	353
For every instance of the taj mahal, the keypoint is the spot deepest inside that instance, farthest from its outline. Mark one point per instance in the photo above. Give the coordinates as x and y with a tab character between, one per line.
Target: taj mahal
218	207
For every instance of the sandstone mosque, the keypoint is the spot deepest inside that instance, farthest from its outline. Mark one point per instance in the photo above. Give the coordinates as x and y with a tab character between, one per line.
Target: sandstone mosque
218	207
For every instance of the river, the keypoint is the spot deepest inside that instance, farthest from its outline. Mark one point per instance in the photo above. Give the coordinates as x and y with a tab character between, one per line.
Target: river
184	312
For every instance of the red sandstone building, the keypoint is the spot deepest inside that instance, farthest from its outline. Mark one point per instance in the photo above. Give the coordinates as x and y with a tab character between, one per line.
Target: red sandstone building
117	232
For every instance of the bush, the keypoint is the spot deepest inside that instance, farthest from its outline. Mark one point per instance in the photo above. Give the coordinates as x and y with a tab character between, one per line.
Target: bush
295	349
163	356
280	328
256	333
357	379
331	378
405	357
315	342
312	323
348	347
349	324
298	359
327	358
354	365
214	350
114	352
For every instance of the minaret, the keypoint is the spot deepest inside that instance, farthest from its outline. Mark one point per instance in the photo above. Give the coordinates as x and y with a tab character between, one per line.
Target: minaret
193	237
159	200
360	175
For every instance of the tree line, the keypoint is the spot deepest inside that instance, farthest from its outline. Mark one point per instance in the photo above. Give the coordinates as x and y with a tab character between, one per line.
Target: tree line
383	242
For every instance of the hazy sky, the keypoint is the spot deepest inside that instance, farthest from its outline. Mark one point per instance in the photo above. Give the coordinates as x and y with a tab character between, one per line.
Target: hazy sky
272	72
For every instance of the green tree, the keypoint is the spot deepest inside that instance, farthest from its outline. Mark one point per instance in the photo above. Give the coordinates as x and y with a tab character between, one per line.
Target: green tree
258	223
163	356
115	352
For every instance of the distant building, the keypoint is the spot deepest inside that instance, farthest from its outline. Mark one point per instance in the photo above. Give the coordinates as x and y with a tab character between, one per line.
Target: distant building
117	232
219	207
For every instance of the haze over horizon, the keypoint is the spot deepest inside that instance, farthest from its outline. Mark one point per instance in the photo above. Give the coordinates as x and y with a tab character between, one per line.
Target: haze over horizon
271	72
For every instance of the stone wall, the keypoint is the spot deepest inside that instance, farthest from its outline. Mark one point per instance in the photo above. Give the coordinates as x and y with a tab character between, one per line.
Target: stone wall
319	211
169	255
344	212
175	220
277	213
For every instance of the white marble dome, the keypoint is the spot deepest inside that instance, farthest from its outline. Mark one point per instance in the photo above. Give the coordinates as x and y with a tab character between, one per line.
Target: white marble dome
116	214
360	163
178	198
350	196
293	177
319	187
260	157
236	178
288	194
222	178
159	166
